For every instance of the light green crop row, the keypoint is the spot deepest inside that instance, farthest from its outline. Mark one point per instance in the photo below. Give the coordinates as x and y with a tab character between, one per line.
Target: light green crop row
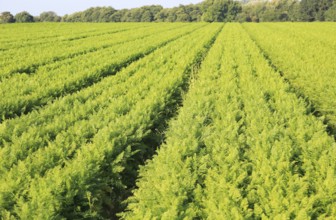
34	53
320	34
28	59
70	176
242	147
22	92
21	35
307	62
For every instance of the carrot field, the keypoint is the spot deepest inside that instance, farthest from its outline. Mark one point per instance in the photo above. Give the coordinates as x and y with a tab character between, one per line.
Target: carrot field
168	121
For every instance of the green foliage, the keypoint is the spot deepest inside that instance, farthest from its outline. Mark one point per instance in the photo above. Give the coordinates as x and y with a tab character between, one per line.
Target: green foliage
49	16
208	11
249	141
102	127
314	10
330	14
24	17
82	36
308	64
242	147
35	92
282	10
220	10
97	14
286	10
6	17
182	14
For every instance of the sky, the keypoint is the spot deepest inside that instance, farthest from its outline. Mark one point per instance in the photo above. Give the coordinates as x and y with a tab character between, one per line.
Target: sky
62	7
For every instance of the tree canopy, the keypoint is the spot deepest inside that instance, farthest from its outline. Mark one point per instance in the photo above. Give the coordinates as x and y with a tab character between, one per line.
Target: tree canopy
24	17
208	11
49	16
6	17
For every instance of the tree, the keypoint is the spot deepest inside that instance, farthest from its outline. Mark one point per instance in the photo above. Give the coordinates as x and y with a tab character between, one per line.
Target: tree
132	15
294	11
171	17
155	9
277	10
88	15
24	17
220	10
117	16
195	12
65	18
147	16
106	14
49	16
314	10
182	14
308	9
6	17
36	19
149	12
75	17
330	14
162	15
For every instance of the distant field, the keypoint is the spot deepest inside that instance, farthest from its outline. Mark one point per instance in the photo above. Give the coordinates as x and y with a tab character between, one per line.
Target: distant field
168	121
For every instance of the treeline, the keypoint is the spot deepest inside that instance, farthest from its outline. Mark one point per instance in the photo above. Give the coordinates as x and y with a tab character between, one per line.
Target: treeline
289	10
208	11
25	17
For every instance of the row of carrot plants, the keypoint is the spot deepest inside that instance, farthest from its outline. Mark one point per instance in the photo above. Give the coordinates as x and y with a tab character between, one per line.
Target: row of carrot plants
26	59
69	159
242	147
306	59
23	35
25	92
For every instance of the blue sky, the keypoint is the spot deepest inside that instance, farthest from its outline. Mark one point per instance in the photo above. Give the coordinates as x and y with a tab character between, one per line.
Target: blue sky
61	7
